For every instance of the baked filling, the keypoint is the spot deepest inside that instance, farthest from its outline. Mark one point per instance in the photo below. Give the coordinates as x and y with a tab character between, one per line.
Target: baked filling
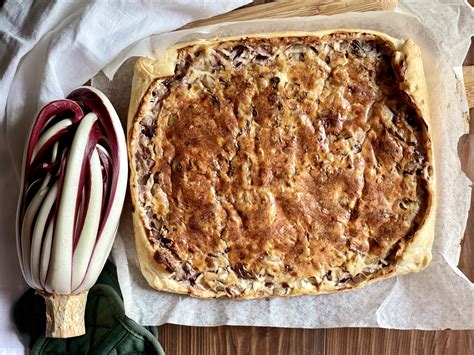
280	166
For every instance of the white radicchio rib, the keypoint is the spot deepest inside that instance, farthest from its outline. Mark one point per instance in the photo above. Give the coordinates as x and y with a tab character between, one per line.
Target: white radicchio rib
73	186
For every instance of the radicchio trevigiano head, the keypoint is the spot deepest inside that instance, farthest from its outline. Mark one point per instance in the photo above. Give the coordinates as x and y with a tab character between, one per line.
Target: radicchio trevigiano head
73	186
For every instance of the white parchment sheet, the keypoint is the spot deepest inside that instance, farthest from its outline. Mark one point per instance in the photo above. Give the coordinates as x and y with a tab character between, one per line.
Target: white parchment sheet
436	298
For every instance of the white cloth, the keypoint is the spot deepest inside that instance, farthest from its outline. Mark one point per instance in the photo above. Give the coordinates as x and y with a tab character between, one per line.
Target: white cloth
47	48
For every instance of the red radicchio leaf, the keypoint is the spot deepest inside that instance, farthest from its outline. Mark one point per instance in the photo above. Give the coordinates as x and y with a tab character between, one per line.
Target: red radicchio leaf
39	157
38	167
92	101
82	200
51	216
60	178
106	168
46	113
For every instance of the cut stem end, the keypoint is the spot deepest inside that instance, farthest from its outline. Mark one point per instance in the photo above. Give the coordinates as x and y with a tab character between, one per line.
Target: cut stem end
65	314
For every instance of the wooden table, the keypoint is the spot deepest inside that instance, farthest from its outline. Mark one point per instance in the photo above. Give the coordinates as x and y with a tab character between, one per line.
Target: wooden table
184	340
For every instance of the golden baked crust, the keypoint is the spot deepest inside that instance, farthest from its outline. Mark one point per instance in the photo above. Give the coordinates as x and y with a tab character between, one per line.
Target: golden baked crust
281	164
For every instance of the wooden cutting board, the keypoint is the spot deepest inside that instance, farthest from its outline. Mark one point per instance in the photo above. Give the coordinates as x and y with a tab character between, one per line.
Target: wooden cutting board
263	340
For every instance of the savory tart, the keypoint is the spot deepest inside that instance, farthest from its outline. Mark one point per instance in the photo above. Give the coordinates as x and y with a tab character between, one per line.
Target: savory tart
281	164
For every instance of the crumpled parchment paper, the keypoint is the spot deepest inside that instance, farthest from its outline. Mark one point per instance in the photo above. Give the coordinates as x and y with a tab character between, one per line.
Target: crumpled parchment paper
439	296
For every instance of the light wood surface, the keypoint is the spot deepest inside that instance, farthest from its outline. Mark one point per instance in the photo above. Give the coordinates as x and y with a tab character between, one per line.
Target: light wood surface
292	8
224	340
468	73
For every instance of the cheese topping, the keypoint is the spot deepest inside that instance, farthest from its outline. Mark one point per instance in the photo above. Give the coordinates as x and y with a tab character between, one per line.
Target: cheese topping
268	166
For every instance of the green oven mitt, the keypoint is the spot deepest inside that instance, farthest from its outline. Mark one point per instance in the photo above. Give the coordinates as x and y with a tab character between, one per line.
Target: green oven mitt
108	329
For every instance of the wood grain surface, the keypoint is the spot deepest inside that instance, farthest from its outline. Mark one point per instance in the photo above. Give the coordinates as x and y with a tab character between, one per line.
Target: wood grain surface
275	341
290	8
225	340
468	73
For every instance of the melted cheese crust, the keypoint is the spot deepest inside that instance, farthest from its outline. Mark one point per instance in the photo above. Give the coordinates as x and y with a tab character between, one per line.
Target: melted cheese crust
279	166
